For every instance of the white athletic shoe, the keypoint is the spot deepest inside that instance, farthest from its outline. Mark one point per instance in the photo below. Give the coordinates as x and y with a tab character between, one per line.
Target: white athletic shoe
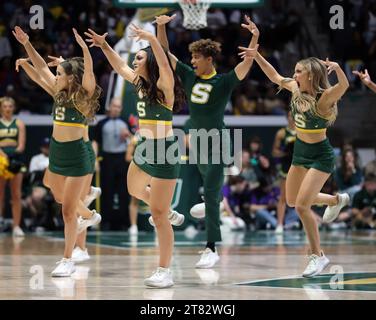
331	212
161	278
17	232
79	255
86	223
176	219
133	230
208	259
198	210
94	194
316	265
65	267
279	229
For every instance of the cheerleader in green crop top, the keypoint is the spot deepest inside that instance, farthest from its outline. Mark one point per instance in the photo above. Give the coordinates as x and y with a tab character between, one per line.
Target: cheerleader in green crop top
314	108
153	172
75	96
12	145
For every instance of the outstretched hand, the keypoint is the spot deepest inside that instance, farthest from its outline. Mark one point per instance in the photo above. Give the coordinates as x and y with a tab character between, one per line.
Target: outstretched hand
95	39
331	66
364	76
248	53
250	26
79	39
21	36
55	61
140	34
20	62
163	19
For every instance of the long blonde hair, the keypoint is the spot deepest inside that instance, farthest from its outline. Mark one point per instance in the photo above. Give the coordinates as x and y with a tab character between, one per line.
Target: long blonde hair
76	93
304	102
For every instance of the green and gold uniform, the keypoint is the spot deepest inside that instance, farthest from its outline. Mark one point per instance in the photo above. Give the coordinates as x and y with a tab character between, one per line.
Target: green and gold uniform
318	155
207	99
9	133
159	158
71	158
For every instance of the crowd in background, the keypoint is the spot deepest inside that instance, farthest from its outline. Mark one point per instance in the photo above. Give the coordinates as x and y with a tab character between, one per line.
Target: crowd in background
279	22
253	195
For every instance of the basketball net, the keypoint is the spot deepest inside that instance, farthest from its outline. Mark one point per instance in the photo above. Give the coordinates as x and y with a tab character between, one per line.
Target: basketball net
194	12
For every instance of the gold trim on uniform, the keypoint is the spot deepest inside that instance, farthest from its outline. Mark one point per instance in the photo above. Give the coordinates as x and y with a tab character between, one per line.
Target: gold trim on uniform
311	130
161	122
208	76
67	124
8	140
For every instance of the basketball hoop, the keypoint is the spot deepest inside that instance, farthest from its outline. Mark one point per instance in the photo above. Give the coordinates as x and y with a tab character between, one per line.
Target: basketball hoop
194	12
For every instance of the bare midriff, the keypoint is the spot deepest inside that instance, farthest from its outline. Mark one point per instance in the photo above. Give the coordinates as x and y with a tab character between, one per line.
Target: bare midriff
152	131
311	137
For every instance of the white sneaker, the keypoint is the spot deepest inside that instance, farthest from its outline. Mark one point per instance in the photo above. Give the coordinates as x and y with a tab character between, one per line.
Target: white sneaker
208	259
279	230
94	194
161	278
79	255
176	219
331	212
86	223
198	210
17	232
65	267
316	265
133	230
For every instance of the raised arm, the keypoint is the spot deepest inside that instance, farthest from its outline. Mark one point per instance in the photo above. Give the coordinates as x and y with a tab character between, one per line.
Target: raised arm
243	67
117	63
88	78
34	75
332	95
366	79
35	57
161	22
166	77
270	71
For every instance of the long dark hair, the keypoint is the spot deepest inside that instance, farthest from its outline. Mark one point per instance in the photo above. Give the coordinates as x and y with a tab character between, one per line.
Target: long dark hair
87	106
149	88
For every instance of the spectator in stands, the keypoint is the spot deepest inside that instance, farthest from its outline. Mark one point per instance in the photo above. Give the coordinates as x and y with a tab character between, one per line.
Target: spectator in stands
259	162
236	199
364	204
248	172
264	205
348	176
39	202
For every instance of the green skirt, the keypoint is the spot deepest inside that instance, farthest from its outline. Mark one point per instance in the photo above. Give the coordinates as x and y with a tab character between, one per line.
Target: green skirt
89	146
319	155
159	158
69	159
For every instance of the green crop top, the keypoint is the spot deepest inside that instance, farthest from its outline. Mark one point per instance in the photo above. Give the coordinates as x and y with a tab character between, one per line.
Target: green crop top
66	114
307	122
157	113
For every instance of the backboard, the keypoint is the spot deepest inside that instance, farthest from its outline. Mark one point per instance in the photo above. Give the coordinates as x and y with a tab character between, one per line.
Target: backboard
174	3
